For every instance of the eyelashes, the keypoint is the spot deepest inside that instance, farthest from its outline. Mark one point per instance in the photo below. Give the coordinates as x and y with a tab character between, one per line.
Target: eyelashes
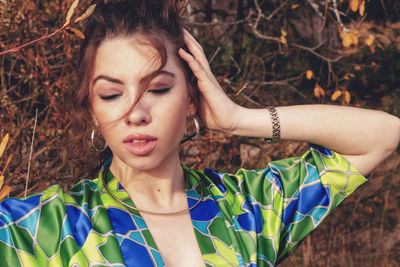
152	91
159	91
109	97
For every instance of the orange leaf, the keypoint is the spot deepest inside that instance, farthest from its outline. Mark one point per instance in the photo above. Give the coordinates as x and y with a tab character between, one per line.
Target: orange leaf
354	4
336	95
354	39
362	8
71	12
295	6
283	37
283	40
347	97
309	74
5	191
77	32
347	39
318	91
86	14
4	144
370	40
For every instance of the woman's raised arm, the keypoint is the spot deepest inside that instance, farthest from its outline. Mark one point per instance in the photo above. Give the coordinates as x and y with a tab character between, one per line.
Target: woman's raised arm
364	137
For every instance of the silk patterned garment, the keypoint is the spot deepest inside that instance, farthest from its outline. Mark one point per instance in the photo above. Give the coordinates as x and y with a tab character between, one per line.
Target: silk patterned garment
252	218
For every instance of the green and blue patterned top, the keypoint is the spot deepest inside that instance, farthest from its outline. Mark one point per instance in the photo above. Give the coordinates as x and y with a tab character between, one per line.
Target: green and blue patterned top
255	217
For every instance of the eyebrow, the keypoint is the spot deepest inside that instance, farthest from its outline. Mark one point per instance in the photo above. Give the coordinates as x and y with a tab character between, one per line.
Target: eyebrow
113	80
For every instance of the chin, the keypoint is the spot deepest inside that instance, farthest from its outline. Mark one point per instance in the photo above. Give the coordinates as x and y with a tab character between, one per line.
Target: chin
146	163
142	164
154	160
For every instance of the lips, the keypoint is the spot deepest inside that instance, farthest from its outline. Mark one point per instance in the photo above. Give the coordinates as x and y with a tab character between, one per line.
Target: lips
140	145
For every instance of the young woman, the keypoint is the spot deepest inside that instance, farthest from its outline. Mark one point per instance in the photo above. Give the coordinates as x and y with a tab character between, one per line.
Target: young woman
142	78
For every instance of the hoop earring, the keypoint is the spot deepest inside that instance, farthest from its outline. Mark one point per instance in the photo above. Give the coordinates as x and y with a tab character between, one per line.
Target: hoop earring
92	143
197	126
196	136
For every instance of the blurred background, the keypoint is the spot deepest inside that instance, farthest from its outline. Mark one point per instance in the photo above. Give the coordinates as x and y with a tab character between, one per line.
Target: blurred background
263	52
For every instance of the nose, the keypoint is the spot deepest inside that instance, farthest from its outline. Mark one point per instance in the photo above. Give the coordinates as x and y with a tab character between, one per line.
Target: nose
138	115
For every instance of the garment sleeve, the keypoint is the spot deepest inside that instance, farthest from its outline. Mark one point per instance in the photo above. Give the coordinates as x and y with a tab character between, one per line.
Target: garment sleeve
312	186
30	228
295	195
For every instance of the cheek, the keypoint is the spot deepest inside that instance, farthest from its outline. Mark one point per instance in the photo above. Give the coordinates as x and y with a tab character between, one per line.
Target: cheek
106	113
173	116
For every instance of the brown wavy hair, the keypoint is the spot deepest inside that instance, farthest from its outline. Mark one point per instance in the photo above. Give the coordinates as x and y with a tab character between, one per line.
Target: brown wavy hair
158	21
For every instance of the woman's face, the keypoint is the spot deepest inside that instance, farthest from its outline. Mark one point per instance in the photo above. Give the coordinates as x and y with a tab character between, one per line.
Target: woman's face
148	134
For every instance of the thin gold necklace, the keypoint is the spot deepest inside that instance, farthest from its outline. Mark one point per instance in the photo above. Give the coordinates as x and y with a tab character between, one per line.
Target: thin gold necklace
129	207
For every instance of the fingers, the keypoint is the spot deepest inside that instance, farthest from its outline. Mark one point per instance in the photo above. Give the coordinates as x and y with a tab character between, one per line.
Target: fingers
194	65
191	41
196	49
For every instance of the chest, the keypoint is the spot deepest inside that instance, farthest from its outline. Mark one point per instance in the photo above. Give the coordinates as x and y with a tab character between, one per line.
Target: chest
175	238
208	235
198	238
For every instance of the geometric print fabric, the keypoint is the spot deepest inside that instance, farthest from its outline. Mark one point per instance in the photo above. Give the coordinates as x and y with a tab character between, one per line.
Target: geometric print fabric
251	218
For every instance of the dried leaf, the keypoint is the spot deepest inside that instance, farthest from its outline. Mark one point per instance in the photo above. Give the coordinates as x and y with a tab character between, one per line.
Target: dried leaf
309	74
87	13
5	191
370	40
283	40
350	38
336	95
347	40
71	12
283	37
357	67
354	4
318	91
347	97
295	6
77	32
362	8
4	144
321	91
354	39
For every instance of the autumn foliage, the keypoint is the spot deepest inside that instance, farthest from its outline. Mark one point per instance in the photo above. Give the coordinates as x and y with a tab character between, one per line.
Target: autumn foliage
343	52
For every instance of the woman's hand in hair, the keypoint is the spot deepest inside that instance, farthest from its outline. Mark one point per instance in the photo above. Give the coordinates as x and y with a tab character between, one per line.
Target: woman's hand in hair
215	108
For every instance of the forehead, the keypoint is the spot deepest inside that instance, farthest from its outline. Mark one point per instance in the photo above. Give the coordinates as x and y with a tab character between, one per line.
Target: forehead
134	55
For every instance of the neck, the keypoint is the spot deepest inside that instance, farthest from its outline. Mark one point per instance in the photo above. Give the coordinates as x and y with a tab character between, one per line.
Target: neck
157	187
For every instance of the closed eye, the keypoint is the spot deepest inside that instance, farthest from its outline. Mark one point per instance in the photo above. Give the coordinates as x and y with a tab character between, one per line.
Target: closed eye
109	97
159	91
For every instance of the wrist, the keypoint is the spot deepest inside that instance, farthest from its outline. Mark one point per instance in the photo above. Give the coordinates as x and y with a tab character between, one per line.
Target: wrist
252	122
236	115
276	127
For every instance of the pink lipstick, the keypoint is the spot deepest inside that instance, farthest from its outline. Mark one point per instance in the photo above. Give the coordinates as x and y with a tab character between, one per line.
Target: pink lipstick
140	145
